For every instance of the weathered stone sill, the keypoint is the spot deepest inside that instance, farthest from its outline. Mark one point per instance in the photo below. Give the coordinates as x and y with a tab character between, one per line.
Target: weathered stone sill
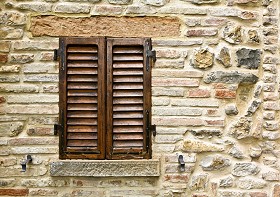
106	168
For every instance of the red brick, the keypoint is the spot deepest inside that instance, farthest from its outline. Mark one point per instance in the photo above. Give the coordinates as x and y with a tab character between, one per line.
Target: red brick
276	191
214	122
225	94
14	192
2	99
258	194
184	178
3	58
219	86
199	93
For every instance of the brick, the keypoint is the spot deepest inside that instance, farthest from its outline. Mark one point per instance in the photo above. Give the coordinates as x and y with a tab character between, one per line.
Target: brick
213	112
271	60
224	12
269	115
45	182
258	194
80	192
22	58
177	73
271	105
269	87
43	192
134	192
10	79
5	46
201	32
195	102
158	3
42	120
170	130
138	9
120	2
50	88
270	96
169	64
19	88
169	53
160	101
10	33
225	94
198	93
180	178
276	191
220	123
10	69
46	56
40	78
14	18
192	22
174	168
27	98
34	150
2	99
170	121
181	9
107	10
35	45
39	68
7	182
33	141
105	26
3	57
168	139
164	82
32	109
14	192
177	42
8	162
156	91
213	22
39	7
267	20
40	131
176	111
71	8
188	158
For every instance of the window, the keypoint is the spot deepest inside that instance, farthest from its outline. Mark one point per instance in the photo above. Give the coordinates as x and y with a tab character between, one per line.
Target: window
105	98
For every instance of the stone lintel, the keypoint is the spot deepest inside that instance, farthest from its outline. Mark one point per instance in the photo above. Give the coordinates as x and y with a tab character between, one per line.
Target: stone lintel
106	168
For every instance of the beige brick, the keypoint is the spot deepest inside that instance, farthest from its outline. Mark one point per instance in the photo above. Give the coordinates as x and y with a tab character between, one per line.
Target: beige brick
46	56
170	53
105	26
168	139
9	79
35	6
181	9
31	109
10	33
34	150
10	69
7	182
201	32
19	88
167	63
40	78
180	82
176	42
176	111
39	68
5	46
171	121
107	10
159	101
195	102
35	45
156	91
22	58
71	8
177	73
43	192
33	141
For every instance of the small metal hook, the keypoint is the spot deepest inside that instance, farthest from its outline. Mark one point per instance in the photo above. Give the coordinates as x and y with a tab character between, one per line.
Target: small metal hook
24	163
182	163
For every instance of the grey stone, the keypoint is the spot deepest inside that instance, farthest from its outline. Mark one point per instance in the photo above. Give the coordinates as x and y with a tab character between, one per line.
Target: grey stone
216	162
271	125
230	77
231	109
232	33
236	153
201	133
202	1
203	59
224	57
251	183
226	182
271	176
258	90
255	152
245	169
253	107
103	168
249	58
271	135
199	182
11	129
241	129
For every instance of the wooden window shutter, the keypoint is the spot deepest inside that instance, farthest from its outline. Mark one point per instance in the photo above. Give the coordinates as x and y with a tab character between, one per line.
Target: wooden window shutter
82	106
128	98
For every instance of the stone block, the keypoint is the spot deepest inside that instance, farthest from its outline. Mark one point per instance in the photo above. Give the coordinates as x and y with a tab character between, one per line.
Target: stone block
5	46
107	10
35	45
230	78
10	33
199	2
7	182
11	129
40	78
204	102
199	146
216	162
157	3
175	82
251	183
162	91
249	58
175	111
39	7
22	58
203	59
103	168
10	69
19	88
245	169
105	26
120	2
201	32
173	121
175	42
71	8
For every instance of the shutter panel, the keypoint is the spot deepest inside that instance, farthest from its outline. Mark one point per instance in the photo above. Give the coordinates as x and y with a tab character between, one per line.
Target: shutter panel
82	87
128	101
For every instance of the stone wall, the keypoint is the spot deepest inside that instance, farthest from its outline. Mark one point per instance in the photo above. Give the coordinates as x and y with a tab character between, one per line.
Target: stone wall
215	94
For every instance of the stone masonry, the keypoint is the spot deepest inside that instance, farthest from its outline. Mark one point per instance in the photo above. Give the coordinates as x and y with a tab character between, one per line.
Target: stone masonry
215	97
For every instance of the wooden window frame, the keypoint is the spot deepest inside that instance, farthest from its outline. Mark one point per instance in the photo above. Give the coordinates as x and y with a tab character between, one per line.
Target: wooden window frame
105	98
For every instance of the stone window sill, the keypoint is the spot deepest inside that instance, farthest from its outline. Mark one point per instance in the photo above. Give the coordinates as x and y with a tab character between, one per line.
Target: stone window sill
105	168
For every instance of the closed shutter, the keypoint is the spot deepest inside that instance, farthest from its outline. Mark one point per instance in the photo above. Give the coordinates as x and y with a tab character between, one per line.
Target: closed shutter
82	106
129	98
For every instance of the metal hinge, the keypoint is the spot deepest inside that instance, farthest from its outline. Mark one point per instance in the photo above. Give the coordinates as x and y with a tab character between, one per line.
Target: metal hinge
56	128
154	130
150	54
55	54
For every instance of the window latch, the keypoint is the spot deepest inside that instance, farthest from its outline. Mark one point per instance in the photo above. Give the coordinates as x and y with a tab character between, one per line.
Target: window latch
154	130
55	54
56	128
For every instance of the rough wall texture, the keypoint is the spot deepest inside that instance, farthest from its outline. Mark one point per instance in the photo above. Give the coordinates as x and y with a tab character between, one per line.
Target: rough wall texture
215	94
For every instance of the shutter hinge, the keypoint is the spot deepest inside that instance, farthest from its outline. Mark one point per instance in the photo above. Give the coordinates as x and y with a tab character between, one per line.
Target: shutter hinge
154	130
150	54
56	128
55	54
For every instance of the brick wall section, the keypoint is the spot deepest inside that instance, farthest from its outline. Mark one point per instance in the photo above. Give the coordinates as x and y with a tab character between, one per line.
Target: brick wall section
215	94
